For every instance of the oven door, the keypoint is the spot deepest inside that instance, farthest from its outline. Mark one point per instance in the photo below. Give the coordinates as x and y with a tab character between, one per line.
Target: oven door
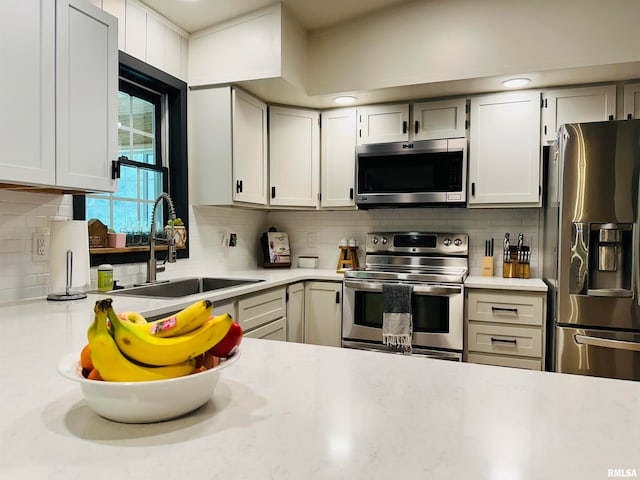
437	313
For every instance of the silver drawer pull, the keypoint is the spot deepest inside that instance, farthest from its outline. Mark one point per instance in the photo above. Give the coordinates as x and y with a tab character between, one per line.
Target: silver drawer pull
504	309
504	340
607	343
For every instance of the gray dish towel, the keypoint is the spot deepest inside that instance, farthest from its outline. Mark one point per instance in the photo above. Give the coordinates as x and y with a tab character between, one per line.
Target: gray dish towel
397	321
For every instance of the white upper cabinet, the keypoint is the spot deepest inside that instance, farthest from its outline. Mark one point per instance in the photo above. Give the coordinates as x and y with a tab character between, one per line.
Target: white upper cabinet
86	96
27	116
572	105
228	148
249	148
383	123
337	163
294	157
631	101
439	119
504	156
60	102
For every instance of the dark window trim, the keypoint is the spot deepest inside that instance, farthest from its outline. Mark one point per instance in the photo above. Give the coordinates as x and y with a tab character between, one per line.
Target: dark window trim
176	91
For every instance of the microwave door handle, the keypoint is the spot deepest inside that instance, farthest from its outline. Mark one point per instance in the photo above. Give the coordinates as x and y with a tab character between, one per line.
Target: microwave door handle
607	343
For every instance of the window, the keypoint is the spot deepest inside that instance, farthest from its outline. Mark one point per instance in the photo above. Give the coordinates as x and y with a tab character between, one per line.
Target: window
152	158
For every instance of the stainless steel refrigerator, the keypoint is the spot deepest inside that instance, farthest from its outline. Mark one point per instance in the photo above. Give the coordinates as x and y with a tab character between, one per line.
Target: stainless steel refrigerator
592	249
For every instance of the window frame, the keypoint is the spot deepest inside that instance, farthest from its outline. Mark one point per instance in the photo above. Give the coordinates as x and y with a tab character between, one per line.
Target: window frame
174	93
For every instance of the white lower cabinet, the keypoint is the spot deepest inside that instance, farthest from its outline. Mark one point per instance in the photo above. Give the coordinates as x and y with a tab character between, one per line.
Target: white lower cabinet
323	313
273	331
295	312
505	328
263	315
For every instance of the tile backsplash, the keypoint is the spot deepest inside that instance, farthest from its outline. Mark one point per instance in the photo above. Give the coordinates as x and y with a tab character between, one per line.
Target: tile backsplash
310	233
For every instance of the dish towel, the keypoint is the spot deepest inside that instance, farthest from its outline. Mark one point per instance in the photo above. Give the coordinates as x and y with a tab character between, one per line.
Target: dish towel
397	321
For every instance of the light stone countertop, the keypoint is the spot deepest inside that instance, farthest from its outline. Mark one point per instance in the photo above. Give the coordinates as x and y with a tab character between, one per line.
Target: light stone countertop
500	283
291	411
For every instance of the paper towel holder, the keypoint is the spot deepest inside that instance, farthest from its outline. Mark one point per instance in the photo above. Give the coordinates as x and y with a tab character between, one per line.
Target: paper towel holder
68	294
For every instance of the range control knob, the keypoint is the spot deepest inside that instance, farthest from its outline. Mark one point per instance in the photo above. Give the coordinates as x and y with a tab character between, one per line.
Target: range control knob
374	240
457	242
384	240
446	242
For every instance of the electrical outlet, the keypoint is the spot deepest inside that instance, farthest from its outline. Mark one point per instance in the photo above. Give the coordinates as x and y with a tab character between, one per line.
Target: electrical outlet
233	239
41	245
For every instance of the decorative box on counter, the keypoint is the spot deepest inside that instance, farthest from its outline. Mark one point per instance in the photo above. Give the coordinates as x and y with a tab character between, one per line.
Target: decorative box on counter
307	261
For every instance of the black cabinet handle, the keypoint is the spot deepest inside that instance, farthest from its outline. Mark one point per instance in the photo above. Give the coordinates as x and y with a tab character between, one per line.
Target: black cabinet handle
610	117
629	116
273	192
405	127
416	127
473	189
503	309
504	340
351	193
238	186
337	297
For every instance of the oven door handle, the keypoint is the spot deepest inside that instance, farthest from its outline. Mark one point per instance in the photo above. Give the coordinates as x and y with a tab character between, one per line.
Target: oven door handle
438	290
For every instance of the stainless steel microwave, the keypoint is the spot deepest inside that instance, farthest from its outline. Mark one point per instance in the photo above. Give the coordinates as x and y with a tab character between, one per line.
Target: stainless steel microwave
402	174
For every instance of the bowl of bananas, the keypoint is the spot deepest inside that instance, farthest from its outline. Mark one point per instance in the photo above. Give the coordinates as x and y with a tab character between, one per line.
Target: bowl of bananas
134	371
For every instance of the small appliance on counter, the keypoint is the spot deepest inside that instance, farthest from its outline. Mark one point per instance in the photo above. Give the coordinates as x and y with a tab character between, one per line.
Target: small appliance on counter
275	249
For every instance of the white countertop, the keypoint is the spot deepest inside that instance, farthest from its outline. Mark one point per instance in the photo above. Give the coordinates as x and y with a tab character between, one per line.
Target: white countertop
290	411
499	283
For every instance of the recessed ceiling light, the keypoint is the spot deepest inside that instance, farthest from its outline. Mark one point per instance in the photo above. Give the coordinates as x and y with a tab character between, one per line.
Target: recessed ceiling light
344	100
516	82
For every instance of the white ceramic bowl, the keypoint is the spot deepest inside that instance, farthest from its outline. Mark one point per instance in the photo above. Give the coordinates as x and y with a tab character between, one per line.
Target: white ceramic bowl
145	402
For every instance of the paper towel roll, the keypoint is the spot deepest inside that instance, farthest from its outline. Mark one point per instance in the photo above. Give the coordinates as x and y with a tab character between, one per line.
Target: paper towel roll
68	235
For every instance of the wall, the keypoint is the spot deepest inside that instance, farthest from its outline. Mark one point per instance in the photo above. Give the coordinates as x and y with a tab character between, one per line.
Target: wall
21	213
318	233
433	41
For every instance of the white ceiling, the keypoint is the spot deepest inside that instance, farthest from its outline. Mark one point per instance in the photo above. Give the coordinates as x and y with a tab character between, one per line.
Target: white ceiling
194	15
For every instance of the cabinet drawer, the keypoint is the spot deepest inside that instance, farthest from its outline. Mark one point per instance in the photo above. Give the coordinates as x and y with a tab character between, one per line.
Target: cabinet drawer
508	340
273	331
262	308
505	361
498	307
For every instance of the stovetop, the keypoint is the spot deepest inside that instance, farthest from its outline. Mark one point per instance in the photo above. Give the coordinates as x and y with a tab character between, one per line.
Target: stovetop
415	256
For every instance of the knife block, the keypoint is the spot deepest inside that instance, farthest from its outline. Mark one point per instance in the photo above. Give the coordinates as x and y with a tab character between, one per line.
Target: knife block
516	264
487	266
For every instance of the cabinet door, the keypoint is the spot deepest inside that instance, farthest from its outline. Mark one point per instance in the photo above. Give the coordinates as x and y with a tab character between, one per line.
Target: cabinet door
338	167
631	101
504	157
249	148
440	119
295	313
86	96
383	123
27	116
294	157
572	105
323	313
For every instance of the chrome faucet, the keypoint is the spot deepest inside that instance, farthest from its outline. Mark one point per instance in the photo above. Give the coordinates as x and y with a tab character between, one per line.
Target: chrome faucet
152	264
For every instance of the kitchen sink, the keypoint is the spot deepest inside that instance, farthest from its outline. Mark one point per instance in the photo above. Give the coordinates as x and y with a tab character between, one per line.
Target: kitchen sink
183	287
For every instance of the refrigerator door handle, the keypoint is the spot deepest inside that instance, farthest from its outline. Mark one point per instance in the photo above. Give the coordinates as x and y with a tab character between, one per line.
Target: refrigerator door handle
607	343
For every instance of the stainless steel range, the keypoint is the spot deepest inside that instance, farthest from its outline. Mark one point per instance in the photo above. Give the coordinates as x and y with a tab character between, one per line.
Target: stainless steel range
436	265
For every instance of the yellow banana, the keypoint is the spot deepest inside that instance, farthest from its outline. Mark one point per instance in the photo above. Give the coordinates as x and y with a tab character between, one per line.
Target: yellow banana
186	320
114	366
151	350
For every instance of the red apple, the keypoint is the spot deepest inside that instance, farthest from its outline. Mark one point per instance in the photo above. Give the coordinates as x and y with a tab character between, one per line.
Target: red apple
229	343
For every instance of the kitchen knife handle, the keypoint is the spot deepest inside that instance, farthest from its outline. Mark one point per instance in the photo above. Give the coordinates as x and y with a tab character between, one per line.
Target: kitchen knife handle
405	127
